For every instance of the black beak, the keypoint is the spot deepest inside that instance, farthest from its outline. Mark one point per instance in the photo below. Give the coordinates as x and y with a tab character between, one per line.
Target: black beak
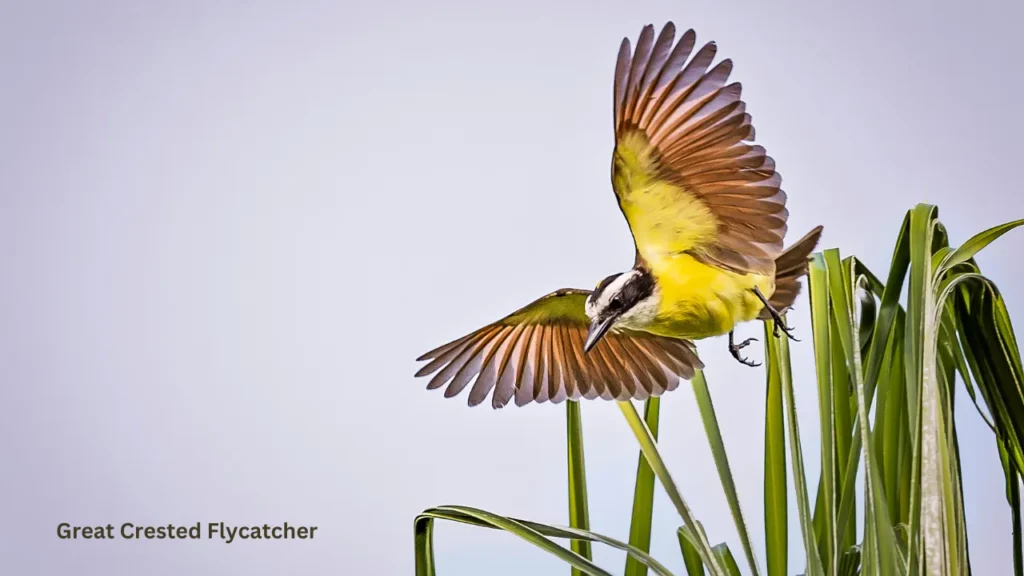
597	331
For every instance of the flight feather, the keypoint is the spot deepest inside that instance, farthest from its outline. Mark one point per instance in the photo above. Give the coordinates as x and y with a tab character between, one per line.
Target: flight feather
685	171
536	354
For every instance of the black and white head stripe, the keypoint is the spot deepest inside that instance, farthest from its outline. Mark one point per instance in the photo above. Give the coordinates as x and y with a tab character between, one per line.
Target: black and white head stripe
619	293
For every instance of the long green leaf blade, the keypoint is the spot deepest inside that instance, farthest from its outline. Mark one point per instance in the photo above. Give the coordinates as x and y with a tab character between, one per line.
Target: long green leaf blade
520	529
976	244
1013	499
579	516
534	532
650	450
776	509
821	328
779	362
726	558
879	543
717	444
643	496
691	558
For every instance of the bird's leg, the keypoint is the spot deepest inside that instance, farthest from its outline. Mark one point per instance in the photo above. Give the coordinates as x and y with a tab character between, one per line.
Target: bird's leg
735	350
776	317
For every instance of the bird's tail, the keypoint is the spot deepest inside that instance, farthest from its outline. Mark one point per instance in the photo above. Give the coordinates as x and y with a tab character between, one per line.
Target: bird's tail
789	267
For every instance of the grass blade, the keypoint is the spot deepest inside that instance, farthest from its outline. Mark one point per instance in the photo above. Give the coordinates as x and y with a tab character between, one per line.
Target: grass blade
481	518
717	444
776	510
694	567
528	531
579	516
821	328
643	496
650	450
991	351
779	364
879	542
1013	499
976	244
726	558
936	510
423	529
887	313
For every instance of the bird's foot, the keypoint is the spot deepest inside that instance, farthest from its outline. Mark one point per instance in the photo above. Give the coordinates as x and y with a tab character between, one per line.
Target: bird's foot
734	349
780	325
777	319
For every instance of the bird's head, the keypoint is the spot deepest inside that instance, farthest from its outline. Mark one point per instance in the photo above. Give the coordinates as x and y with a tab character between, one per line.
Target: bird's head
625	300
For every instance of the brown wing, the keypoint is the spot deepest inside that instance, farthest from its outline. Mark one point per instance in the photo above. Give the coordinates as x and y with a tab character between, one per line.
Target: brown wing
536	354
679	122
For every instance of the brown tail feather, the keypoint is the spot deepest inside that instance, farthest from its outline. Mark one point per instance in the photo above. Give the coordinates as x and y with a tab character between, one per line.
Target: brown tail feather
790	266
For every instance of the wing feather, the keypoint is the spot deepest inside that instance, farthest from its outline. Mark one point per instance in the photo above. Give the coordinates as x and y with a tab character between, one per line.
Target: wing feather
540	385
483	367
465	356
613	387
521	386
580	378
680	125
508	376
652	372
532	385
635	376
536	355
563	365
638	67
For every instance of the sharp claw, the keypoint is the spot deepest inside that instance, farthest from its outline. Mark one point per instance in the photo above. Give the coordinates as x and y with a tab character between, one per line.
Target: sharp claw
746	342
748	362
735	351
787	330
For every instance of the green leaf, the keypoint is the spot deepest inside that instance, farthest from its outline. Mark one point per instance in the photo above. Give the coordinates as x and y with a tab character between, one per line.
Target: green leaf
879	544
643	497
533	532
888	310
933	501
821	329
650	451
779	370
977	242
694	567
528	531
776	510
578	513
849	563
991	350
726	558
717	444
423	529
1013	499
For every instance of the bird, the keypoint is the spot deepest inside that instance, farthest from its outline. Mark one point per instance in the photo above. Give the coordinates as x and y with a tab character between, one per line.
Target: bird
708	219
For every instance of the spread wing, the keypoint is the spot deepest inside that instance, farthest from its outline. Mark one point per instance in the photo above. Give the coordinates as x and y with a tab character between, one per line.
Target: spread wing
685	174
536	354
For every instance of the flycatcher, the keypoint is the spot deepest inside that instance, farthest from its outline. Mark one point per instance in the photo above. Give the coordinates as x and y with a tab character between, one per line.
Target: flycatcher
708	218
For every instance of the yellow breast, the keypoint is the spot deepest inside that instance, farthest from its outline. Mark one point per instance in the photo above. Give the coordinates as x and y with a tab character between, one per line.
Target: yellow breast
700	301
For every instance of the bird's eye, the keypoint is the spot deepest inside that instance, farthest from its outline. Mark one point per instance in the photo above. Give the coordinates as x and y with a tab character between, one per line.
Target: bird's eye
616	303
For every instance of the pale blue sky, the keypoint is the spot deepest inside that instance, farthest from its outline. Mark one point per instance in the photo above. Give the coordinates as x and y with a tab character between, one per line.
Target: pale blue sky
226	230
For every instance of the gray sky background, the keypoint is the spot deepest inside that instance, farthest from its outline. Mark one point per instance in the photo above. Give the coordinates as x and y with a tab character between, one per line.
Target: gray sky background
226	230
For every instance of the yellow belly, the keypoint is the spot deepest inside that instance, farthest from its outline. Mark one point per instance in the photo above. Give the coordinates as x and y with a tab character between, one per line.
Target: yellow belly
699	301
